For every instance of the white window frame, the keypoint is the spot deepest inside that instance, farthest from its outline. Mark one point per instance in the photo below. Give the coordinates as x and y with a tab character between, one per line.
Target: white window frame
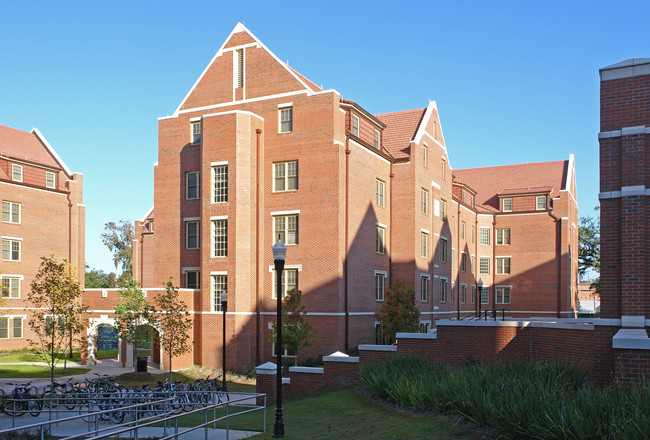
500	265
506	204
286	229
463	293
283	111
444	282
499	299
473	298
239	68
463	261
13	206
16	169
480	266
215	296
13	327
285	285
187	185
198	234
380	242
197	135
501	235
380	275
217	250
425	156
50	176
443	249
481	235
473	234
537	204
219	179
485	293
284	168
443	210
462	230
472	267
356	125
11	242
12	278
381	193
443	174
424	244
377	139
424	201
425	279
4	321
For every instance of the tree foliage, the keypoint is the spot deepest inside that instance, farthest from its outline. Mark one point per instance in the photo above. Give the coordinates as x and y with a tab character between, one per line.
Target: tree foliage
174	321
399	313
58	311
118	237
133	315
297	331
97	279
589	244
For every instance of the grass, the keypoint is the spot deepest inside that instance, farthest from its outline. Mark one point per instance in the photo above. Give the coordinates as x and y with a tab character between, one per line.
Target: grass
29	356
27	371
343	414
139	379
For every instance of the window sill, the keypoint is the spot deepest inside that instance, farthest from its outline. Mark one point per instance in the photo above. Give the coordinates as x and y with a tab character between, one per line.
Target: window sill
284	191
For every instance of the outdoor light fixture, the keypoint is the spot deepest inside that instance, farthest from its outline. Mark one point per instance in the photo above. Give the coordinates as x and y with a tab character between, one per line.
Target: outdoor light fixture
480	297
224	307
279	255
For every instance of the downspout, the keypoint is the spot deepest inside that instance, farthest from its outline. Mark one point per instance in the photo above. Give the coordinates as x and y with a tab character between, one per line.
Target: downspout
258	317
390	226
345	267
458	254
558	257
494	267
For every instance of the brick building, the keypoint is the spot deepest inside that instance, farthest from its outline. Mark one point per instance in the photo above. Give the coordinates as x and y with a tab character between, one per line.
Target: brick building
256	150
42	214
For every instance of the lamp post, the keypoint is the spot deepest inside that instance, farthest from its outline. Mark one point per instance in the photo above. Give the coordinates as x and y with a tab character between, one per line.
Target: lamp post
279	255
480	297
224	307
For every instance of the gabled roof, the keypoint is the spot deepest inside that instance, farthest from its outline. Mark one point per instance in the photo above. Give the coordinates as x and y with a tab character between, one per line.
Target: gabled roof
489	182
400	130
29	147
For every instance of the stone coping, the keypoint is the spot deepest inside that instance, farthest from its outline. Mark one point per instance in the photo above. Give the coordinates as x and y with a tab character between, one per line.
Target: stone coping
561	324
310	370
416	336
286	381
267	368
340	357
368	347
631	338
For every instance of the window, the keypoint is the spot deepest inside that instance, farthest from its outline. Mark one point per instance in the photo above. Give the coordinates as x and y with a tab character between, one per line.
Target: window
451	226
484	238
472	265
443	169
484	265
485	295
380	240
425	156
377	139
503	237
502	295
424	326
50	179
286	119
220	238
16	172
462	230
285	176
10	249
18	327
463	293
443	290
239	53
196	132
192	235
443	210
10	287
425	244
473	234
473	294
289	282
443	250
380	193
471	201
219	285
220	184
380	337
424	288
4	328
503	265
540	203
286	227
380	285
286	351
193	279
355	125
463	261
192	185
424	198
507	205
10	212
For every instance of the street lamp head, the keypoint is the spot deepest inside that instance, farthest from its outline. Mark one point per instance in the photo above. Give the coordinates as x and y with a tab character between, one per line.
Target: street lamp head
224	297
279	250
480	284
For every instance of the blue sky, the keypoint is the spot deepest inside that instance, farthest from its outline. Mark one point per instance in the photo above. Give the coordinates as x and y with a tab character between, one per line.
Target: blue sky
515	82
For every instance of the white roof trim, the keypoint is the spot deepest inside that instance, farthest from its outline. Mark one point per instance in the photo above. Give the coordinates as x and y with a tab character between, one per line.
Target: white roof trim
421	132
146	216
51	150
241	28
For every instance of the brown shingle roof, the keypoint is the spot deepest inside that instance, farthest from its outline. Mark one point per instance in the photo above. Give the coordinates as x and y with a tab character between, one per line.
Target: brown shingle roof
490	181
25	146
400	131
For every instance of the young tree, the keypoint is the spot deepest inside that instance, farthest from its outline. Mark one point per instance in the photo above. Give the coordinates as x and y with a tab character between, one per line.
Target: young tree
589	244
133	315
174	322
399	313
59	312
297	331
97	279
118	237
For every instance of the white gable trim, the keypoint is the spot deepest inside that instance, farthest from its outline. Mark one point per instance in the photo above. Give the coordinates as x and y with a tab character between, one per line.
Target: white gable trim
421	129
51	150
241	28
146	216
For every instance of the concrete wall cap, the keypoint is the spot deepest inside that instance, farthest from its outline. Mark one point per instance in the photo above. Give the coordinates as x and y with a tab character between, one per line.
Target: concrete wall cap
310	370
267	368
346	358
416	336
633	321
368	347
477	323
286	380
631	338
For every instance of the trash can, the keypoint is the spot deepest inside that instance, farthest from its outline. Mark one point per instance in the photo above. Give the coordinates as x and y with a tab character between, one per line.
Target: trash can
141	364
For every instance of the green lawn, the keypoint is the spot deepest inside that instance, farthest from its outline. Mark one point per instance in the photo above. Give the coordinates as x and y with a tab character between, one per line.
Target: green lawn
24	371
28	356
342	414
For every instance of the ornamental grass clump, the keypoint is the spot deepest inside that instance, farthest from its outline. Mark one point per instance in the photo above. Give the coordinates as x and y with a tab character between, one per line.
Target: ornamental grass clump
543	400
